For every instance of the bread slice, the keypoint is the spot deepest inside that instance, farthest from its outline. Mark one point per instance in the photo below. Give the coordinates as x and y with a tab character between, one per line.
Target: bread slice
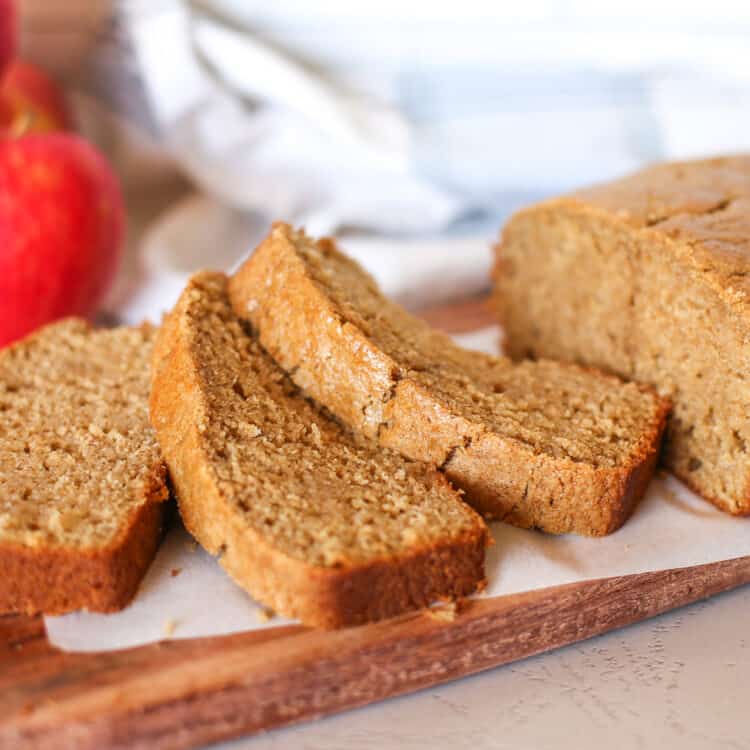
648	277
81	476
538	444
311	520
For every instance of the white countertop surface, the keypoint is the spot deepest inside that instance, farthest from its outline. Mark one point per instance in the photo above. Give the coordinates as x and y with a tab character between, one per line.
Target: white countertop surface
679	680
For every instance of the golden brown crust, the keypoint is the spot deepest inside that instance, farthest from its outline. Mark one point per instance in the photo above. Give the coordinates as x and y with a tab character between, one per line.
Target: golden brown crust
703	204
319	596
689	221
554	495
346	371
353	377
506	480
740	508
54	581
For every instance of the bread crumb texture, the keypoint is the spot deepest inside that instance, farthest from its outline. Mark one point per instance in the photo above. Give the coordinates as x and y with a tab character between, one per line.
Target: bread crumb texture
648	277
264	615
445	612
80	471
299	508
537	444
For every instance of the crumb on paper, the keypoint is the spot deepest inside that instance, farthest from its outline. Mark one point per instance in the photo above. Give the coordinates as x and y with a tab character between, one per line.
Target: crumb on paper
264	614
445	612
671	496
175	572
169	627
193	545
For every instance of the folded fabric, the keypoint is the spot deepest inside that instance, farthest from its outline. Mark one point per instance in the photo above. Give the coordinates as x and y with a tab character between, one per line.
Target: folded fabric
381	116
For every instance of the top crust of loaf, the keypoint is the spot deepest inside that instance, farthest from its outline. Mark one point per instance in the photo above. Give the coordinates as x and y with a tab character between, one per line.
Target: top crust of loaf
702	205
546	445
81	476
314	521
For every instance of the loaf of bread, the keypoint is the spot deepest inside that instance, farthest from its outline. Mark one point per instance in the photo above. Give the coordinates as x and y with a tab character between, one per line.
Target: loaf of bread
540	445
81	477
313	521
648	277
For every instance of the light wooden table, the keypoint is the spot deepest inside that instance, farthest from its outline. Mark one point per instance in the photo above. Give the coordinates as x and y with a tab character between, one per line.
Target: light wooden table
678	681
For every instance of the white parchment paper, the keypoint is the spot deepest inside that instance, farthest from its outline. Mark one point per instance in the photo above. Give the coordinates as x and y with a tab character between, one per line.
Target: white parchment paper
186	594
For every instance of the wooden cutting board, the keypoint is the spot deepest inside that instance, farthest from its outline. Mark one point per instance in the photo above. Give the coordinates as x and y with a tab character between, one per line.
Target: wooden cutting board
186	693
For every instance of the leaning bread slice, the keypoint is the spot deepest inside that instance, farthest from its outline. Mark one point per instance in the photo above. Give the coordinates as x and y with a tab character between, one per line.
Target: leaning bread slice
81	476
313	521
540	445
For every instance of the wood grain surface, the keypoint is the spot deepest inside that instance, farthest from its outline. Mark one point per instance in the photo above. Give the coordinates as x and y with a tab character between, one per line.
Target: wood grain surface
180	694
185	693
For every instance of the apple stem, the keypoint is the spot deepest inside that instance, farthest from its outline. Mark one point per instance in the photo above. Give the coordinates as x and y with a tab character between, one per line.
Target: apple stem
23	124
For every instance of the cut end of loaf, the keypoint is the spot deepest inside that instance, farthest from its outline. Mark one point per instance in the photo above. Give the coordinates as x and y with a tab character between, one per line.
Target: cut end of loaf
647	277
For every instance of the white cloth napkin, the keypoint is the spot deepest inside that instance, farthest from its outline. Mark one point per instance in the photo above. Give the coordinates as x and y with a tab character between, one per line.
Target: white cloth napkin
402	117
201	232
260	131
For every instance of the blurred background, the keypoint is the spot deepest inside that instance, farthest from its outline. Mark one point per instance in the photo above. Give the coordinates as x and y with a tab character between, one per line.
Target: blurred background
410	129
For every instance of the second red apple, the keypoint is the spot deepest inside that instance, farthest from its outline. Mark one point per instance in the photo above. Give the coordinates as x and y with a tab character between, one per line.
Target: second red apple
31	101
61	230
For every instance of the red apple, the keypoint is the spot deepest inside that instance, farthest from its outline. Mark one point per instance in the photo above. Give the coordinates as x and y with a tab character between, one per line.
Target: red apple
31	102
61	230
8	32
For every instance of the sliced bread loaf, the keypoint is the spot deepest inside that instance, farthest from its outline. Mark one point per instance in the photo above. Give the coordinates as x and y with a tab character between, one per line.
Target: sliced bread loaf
537	444
310	519
81	477
648	277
